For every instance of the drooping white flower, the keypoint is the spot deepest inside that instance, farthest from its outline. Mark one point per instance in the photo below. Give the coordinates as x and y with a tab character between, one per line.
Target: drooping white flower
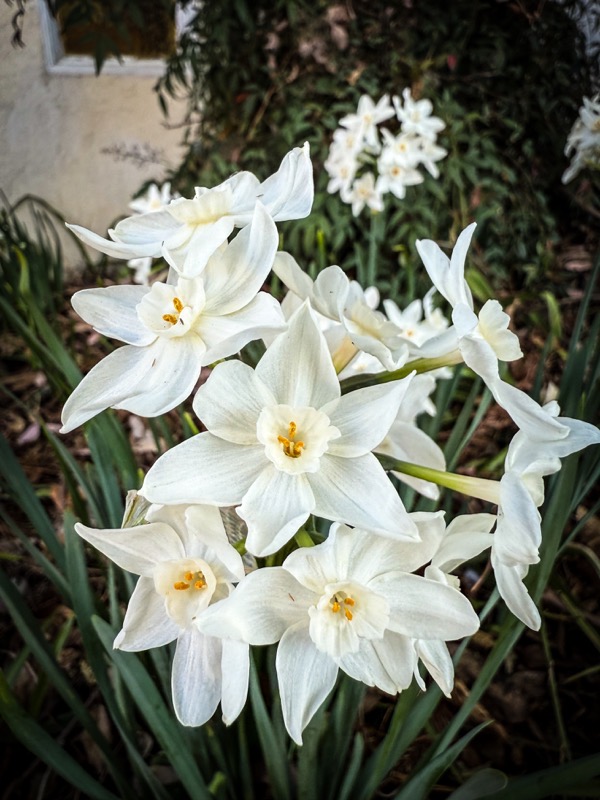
191	230
518	533
172	330
282	444
349	603
482	339
348	305
186	565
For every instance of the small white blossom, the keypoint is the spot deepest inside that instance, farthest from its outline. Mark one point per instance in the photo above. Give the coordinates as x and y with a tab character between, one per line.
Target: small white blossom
351	603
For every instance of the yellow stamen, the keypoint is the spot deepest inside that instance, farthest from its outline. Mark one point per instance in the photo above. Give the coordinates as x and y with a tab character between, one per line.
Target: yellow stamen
171	318
178	305
349	601
188	576
290	447
199	584
181	585
348	614
335	607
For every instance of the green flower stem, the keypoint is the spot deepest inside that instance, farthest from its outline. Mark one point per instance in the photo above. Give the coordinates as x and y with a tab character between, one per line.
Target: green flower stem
418	365
474	487
303	538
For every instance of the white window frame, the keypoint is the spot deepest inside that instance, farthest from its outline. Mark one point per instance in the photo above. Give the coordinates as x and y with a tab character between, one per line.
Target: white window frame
59	63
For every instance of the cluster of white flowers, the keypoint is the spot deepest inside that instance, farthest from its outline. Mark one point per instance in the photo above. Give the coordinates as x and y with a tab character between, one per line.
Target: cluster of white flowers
300	438
583	143
357	147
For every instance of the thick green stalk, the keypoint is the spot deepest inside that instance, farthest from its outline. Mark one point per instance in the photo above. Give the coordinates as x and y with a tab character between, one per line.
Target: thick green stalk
474	487
418	365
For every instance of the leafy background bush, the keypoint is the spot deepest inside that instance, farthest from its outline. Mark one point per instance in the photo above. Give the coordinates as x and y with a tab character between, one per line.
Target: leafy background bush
507	78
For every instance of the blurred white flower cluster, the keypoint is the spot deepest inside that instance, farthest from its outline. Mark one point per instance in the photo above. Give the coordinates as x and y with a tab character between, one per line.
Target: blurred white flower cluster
365	162
583	143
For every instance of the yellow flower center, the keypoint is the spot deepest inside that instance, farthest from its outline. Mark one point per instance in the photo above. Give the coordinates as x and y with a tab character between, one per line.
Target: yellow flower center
195	579
340	602
174	318
290	447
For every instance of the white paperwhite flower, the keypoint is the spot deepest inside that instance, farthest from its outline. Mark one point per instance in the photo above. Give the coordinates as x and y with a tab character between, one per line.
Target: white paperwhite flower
363	193
172	330
191	230
483	339
186	565
416	116
583	142
341	170
284	444
368	116
394	177
346	303
142	268
518	532
349	603
154	199
418	322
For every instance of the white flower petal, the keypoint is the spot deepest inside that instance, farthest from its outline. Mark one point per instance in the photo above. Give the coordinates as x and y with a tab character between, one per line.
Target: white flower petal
144	380
305	676
518	532
203	535
526	413
259	610
274	507
117	249
297	367
235	669
387	663
203	469
112	312
137	549
196	677
365	416
141	229
289	193
146	622
191	258
514	593
230	402
425	609
493	324
292	275
226	335
434	654
448	275
233	276
358	492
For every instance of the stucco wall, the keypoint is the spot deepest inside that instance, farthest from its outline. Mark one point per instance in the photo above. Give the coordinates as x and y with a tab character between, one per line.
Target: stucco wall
53	129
